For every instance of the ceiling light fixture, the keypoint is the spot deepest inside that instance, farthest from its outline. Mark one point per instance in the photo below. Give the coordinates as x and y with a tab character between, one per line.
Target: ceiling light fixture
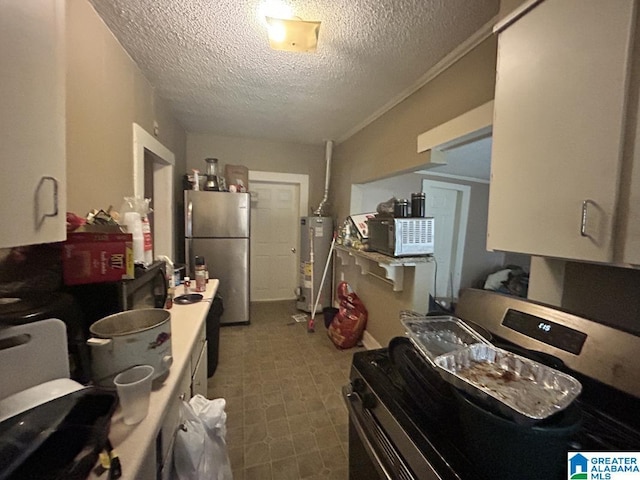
293	35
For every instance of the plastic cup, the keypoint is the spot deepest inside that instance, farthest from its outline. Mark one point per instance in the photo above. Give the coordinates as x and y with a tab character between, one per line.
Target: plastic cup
134	389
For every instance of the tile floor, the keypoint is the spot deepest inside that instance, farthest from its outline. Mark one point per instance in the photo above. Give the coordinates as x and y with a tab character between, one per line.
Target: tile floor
286	419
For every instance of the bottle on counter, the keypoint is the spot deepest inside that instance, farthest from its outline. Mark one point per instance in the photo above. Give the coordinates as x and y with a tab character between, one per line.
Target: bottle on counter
171	290
170	295
147	240
133	221
187	285
196	179
200	274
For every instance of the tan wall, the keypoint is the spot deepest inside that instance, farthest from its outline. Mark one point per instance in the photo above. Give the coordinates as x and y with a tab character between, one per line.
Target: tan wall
106	94
261	155
382	303
507	6
389	145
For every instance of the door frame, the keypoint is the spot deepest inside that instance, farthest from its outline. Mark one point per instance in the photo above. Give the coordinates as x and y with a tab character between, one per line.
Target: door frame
276	177
302	180
462	217
163	205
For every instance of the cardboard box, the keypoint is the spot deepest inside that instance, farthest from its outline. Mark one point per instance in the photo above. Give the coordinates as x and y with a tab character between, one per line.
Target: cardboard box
233	174
97	253
359	221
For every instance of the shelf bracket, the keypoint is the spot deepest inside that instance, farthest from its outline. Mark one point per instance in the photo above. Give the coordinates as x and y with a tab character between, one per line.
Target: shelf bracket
343	256
363	263
395	273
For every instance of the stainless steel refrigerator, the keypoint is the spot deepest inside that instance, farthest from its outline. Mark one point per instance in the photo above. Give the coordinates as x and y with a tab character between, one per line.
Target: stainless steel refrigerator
217	227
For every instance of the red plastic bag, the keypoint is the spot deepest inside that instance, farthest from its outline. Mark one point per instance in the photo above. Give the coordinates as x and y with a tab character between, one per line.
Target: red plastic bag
348	325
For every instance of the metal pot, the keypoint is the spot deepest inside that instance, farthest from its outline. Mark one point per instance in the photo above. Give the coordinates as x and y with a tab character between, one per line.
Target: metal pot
126	339
501	448
430	392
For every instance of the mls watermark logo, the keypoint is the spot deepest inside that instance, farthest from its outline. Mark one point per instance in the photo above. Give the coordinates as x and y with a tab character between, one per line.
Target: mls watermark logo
603	465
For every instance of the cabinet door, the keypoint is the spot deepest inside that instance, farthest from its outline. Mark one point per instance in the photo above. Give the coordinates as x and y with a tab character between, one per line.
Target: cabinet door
197	348
558	129
170	425
629	208
199	379
32	123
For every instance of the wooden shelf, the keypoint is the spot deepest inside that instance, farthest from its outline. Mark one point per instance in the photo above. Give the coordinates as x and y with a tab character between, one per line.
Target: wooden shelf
369	262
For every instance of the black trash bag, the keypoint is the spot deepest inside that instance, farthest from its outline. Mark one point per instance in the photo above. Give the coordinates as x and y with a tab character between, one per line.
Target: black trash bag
329	313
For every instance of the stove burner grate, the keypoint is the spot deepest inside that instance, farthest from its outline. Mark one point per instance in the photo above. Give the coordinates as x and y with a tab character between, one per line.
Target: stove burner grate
602	432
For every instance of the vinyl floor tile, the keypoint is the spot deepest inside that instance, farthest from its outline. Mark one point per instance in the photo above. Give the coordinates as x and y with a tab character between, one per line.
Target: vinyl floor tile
285	416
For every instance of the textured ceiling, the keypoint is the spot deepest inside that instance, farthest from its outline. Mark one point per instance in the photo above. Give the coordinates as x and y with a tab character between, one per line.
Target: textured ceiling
211	60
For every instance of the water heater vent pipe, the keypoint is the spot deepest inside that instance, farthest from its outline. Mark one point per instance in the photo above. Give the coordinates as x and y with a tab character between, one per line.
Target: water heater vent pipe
320	211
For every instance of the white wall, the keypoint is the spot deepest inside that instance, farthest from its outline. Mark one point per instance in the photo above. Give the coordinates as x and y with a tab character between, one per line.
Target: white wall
477	261
365	197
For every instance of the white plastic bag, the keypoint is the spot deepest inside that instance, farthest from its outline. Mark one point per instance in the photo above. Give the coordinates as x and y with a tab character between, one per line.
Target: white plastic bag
135	215
200	450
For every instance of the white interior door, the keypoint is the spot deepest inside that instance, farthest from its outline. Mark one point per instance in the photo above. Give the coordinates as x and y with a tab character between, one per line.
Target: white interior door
448	203
275	213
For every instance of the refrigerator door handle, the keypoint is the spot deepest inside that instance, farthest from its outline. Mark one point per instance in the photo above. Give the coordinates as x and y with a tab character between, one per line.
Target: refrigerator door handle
188	246
189	220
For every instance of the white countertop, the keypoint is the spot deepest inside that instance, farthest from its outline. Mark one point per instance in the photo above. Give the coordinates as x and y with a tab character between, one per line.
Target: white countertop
134	443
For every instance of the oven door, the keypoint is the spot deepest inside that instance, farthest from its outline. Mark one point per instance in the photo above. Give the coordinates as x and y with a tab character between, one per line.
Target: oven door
372	454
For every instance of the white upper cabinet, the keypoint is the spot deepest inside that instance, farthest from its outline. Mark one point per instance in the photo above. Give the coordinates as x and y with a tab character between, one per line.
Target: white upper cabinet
32	122
558	131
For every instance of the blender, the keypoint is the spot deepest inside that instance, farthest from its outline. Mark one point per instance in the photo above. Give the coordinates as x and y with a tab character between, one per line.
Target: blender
212	183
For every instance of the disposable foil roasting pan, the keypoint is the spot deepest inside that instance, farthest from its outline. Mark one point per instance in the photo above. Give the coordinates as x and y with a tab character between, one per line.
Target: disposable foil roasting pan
437	335
516	387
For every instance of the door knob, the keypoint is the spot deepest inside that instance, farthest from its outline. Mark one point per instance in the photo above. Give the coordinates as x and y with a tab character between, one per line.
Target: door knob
293	250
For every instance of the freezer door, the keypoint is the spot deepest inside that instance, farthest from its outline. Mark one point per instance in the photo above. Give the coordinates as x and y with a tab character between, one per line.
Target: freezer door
216	214
227	260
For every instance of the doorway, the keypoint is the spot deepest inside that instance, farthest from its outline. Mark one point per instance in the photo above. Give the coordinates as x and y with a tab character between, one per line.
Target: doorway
277	202
448	203
161	162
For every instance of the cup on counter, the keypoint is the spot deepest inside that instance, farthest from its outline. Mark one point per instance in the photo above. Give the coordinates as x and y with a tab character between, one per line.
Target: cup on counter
134	390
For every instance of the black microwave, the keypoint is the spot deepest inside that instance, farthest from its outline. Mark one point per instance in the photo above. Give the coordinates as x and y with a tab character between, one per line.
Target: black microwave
147	290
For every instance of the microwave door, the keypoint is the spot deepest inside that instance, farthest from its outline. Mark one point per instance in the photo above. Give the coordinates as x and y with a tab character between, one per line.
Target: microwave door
147	291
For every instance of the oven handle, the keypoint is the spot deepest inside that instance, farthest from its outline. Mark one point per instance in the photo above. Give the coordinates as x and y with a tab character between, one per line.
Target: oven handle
378	463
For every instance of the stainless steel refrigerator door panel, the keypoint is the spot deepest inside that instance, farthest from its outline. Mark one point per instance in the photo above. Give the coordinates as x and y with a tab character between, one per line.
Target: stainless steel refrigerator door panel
217	214
227	260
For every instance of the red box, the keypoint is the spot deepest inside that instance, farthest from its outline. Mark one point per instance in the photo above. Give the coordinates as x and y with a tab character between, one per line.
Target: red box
97	254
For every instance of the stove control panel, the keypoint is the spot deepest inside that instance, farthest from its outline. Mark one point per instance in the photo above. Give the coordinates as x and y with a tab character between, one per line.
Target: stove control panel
551	333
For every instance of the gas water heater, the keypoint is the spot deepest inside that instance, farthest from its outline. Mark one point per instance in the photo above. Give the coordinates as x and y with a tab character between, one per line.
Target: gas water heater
316	233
